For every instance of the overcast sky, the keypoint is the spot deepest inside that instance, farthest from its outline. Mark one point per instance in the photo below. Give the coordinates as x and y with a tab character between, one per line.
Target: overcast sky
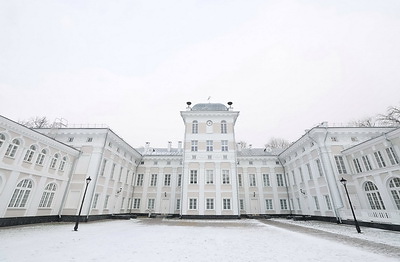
133	65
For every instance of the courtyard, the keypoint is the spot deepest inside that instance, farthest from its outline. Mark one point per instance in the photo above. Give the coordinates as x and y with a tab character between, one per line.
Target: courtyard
197	240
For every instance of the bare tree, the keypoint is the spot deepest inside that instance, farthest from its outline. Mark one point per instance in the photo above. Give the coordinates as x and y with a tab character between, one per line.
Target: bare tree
36	122
364	122
277	143
391	118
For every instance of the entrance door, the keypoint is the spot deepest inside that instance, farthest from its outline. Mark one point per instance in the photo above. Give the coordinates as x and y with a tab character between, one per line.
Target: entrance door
165	206
254	209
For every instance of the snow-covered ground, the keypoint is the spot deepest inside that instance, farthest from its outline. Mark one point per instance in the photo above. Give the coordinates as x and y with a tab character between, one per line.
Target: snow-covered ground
181	240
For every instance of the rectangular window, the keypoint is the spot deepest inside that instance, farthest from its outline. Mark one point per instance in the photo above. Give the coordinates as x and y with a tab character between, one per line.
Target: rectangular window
194	145
209	177
120	174
316	202
225	177
179	179
89	139
266	180
279	179
195	127
252	179
340	165
139	180
112	170
70	139
167	179
136	203
366	162
178	204
310	176
193	177
209	203
192	203
103	167
240	180
294	178
226	203
392	156
357	165
268	204
153	181
106	201
328	202
95	199
319	166
241	204
223	127
151	203
301	175
224	145
379	159
298	203
127	176
209	145
283	203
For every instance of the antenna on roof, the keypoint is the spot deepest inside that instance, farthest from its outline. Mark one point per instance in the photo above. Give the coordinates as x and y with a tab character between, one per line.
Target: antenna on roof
208	99
230	105
188	105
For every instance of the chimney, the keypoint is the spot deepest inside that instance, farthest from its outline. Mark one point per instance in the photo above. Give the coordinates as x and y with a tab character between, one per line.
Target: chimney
147	146
179	146
169	146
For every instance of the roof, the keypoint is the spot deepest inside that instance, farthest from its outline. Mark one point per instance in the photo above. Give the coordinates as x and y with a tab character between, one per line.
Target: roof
257	152
209	107
159	151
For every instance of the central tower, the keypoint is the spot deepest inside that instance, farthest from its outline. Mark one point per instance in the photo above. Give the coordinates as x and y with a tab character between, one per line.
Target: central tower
209	186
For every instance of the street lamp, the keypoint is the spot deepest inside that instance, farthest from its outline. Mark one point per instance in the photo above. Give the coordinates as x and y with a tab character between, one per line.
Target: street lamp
83	199
344	182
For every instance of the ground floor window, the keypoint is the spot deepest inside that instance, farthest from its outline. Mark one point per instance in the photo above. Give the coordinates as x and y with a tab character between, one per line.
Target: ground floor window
226	203
209	203
373	196
21	194
150	203
284	205
192	203
136	203
268	204
394	186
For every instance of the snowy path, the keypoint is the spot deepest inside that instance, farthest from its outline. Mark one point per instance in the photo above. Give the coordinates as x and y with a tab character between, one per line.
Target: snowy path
176	240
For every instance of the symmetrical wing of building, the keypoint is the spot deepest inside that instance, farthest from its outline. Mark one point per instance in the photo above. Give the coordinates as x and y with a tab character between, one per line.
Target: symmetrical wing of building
43	172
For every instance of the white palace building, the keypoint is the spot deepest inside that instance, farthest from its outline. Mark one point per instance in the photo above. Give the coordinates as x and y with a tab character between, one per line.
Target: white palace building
43	173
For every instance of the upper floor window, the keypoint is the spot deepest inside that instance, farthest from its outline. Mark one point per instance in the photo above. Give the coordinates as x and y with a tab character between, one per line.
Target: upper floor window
373	195
167	179
40	157
2	139
392	156
195	127
252	180
224	145
279	180
357	165
194	145
193	177
319	166
29	153
223	127
309	171
225	177
12	148
48	195
21	194
210	145
340	165
62	164
139	180
367	164
54	161
266	180
153	181
379	159
209	177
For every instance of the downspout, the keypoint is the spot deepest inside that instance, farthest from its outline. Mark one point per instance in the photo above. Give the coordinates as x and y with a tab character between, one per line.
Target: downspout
97	177
336	207
69	184
287	186
236	168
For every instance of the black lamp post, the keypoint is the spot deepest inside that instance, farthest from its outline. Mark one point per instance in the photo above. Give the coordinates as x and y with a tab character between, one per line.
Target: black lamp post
83	199
344	182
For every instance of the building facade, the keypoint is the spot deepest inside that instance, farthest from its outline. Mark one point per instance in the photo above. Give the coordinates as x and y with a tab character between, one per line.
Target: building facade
43	172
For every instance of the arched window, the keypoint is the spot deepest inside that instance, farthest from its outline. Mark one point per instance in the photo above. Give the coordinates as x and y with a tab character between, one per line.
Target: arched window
40	158
21	194
394	187
2	139
195	127
373	195
62	164
12	148
54	161
48	195
29	153
223	127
